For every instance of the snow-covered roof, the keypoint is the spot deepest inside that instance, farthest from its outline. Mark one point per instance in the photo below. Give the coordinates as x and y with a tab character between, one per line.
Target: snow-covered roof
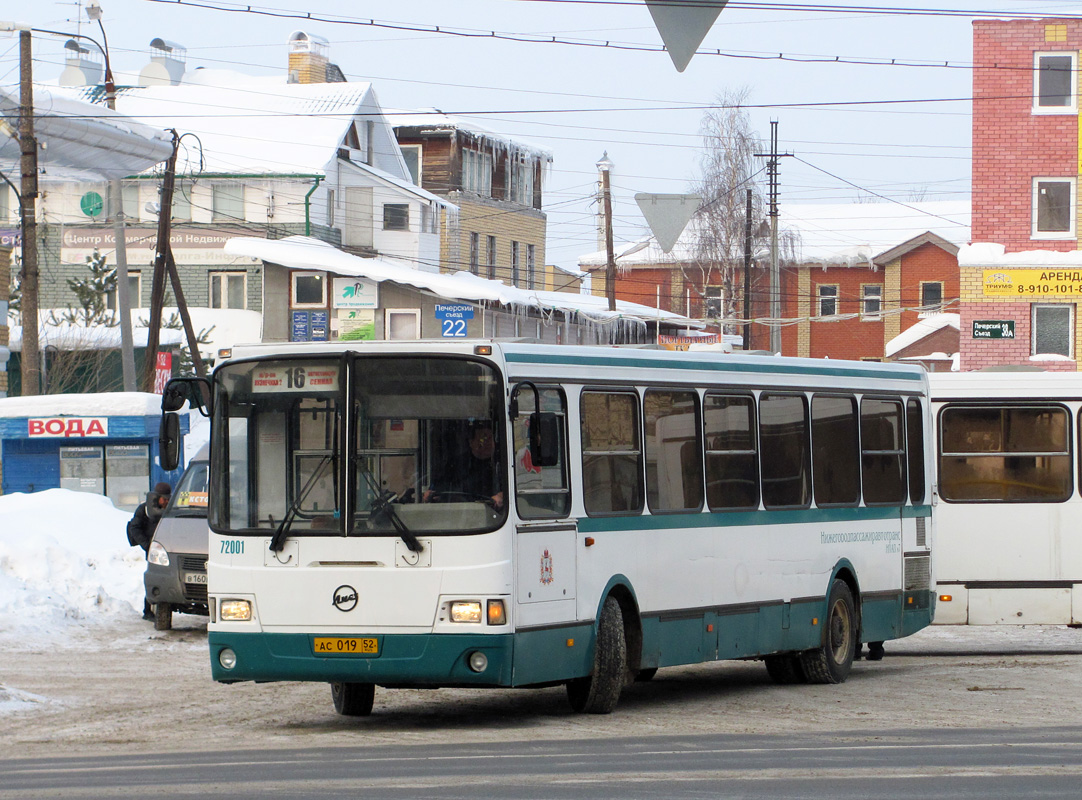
995	255
65	336
75	135
922	329
849	234
432	119
301	252
854	233
103	404
248	125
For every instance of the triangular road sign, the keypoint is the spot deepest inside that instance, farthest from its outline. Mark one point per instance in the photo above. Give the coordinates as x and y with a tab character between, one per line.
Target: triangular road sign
683	24
667	215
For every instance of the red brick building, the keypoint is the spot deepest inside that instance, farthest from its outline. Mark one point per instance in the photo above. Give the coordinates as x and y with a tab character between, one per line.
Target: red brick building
1025	269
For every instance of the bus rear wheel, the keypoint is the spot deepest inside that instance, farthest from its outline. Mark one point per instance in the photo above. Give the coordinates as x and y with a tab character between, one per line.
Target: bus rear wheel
353	699
832	660
599	692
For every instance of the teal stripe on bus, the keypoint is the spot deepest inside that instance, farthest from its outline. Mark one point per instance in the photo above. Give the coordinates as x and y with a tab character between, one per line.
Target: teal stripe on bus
713	366
731	519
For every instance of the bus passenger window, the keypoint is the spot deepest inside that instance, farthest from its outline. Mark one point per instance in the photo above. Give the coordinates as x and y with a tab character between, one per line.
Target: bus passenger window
541	492
732	461
914	430
611	454
1013	454
882	451
674	472
783	437
835	451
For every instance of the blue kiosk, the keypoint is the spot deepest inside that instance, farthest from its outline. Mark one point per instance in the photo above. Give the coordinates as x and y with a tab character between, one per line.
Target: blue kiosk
99	443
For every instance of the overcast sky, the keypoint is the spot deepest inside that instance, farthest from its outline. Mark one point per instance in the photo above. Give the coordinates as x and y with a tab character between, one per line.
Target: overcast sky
835	94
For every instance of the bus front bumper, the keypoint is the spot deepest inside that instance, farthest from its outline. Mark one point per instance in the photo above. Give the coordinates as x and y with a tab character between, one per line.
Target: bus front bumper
428	660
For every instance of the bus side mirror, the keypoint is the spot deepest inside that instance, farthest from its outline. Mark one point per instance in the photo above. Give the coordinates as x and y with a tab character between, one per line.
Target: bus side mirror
544	439
169	441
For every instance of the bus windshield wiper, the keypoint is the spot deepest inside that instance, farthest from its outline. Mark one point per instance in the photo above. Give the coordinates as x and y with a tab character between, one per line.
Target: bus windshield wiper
278	540
381	504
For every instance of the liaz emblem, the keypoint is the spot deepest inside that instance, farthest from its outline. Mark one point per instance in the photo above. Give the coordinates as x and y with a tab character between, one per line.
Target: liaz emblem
546	568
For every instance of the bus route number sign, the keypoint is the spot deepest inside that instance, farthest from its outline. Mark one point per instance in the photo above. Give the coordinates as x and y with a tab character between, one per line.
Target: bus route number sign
453	319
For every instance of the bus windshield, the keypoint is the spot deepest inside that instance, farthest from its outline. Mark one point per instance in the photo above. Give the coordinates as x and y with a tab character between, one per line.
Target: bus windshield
359	446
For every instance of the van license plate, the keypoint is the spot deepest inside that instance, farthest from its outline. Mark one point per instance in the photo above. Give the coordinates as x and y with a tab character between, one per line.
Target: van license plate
345	645
196	577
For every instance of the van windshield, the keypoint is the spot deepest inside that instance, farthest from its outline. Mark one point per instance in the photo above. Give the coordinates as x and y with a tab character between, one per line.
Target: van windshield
190	497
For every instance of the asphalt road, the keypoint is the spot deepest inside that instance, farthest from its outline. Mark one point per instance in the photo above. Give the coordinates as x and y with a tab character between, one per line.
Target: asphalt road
946	764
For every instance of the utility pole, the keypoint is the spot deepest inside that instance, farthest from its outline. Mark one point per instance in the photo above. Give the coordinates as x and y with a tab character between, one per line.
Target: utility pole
605	165
163	265
775	270
30	365
747	271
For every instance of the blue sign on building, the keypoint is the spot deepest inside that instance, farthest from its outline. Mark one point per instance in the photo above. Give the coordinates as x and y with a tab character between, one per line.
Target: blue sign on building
453	319
300	327
317	326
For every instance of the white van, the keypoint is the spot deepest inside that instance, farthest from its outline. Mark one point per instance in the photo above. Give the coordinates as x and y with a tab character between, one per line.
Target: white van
176	574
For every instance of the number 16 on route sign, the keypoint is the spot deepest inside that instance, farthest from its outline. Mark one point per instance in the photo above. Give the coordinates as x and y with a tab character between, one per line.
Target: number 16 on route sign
453	319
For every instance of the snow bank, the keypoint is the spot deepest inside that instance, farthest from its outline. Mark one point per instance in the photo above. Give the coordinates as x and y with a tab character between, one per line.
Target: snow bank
65	569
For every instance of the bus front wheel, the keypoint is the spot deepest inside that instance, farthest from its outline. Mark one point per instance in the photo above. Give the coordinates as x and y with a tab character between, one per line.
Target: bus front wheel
832	660
599	692
353	699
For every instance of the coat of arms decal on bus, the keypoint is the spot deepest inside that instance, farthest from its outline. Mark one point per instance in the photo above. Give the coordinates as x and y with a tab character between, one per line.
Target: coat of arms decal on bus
546	568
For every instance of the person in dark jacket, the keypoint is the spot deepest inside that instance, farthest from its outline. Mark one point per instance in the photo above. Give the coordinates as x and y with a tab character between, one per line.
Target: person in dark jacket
144	522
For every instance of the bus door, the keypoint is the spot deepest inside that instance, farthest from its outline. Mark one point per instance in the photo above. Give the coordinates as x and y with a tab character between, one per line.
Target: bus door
545	536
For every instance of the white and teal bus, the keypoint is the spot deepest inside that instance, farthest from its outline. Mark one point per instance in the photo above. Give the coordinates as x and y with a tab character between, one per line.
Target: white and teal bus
506	514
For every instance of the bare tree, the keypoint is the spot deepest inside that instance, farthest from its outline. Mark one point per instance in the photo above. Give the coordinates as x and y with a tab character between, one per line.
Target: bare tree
729	168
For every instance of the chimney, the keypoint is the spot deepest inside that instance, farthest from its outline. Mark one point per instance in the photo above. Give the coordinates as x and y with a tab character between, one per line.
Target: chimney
166	67
82	67
308	61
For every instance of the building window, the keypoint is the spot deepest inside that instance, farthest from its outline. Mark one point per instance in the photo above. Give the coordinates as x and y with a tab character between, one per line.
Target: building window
182	202
828	300
129	194
475	253
521	190
228	289
1054	83
931	297
134	292
412	154
712	298
1052	327
227	203
871	300
491	258
402	323
515	249
477	173
396	216
309	290
531	266
1053	208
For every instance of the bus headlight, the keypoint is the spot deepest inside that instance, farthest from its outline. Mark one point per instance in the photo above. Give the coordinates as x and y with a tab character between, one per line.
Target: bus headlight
235	611
158	555
466	611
